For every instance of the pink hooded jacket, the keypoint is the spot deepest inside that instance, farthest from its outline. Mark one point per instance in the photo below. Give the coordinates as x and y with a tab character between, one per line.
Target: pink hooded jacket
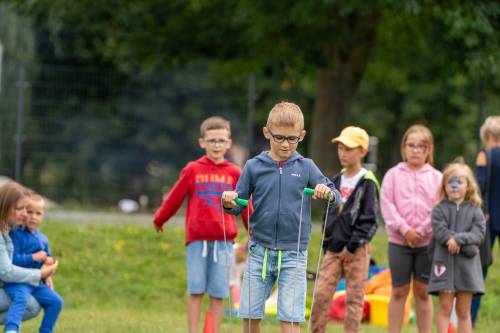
407	198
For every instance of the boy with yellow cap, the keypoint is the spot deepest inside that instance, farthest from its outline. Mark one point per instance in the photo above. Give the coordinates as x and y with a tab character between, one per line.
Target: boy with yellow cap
349	229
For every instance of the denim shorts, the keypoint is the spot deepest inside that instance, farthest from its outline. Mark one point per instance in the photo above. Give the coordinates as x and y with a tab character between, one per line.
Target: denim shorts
208	266
260	277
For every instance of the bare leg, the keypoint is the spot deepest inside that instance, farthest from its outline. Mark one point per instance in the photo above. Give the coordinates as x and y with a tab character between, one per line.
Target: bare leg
217	309
423	307
194	311
287	327
253	324
397	308
464	300
444	311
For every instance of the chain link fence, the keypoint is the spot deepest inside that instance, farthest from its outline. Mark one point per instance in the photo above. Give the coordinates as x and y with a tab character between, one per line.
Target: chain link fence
92	136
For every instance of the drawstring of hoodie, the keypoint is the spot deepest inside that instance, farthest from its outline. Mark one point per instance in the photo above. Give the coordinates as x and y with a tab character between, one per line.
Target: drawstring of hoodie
264	264
226	252
204	251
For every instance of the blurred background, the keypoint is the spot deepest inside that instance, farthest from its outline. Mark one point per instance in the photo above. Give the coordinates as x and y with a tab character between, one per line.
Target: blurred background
102	100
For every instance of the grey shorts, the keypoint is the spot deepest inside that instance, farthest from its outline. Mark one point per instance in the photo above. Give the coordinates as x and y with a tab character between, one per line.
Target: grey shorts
406	262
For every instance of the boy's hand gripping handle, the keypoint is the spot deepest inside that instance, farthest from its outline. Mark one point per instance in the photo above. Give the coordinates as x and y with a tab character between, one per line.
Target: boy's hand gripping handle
310	191
241	202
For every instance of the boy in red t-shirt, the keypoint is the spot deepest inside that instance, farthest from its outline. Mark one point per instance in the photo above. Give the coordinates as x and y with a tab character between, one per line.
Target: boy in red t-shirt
208	258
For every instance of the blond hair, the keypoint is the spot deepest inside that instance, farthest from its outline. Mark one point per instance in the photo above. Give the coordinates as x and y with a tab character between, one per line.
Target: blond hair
214	123
286	114
37	197
429	141
10	194
490	129
459	168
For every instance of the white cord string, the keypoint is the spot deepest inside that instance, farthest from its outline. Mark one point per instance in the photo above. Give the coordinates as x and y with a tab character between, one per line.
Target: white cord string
317	267
226	261
249	283
296	262
226	252
319	259
297	254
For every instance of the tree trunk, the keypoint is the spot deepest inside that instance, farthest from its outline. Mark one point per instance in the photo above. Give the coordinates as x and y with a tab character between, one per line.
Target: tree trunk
336	86
394	153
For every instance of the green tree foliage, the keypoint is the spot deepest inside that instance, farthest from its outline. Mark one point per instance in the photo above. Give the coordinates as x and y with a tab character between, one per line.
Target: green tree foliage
426	69
383	64
16	35
326	42
326	38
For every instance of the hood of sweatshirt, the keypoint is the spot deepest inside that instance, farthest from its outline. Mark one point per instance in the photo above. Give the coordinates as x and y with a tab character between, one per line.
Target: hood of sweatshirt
204	160
265	158
403	166
276	190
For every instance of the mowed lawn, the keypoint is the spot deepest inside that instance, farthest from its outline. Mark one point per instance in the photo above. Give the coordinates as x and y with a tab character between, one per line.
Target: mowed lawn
122	278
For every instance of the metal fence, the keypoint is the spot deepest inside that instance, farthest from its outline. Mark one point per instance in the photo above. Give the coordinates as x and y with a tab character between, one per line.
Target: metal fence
94	136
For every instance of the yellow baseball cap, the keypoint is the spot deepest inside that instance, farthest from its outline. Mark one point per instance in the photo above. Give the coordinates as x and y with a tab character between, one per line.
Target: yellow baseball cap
353	137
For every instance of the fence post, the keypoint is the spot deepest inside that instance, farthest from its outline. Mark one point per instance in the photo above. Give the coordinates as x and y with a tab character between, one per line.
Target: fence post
250	112
19	123
1	65
480	115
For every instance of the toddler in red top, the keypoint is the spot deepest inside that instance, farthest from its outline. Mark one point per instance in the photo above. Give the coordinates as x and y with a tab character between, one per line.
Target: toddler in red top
209	241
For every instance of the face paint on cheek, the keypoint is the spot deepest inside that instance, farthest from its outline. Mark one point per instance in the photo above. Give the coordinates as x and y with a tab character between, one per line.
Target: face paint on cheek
454	184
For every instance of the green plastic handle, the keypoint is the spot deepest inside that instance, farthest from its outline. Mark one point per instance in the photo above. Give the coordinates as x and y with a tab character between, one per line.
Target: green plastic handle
241	202
310	191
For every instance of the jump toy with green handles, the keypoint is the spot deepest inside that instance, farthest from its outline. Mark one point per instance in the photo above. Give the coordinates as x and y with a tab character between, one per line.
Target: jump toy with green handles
307	191
310	191
241	202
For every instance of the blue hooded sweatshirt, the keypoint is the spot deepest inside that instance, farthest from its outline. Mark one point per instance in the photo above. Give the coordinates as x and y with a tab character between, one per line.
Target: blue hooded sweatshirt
276	192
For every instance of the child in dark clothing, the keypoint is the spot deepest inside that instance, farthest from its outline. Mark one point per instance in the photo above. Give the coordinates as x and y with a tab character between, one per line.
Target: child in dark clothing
349	230
488	178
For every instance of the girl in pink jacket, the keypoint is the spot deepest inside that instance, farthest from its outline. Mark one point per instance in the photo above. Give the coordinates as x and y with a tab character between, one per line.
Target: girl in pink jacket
408	195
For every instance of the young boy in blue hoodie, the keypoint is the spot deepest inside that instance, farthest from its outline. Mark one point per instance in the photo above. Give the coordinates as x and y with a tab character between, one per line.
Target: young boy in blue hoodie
278	241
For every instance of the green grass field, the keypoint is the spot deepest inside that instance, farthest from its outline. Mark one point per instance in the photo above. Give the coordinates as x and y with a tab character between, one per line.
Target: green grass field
126	278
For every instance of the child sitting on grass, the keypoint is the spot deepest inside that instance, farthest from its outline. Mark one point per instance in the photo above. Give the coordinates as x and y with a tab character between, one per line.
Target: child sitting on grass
31	250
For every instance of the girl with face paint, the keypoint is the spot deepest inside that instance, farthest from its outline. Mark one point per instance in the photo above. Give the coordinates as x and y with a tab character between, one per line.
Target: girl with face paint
458	227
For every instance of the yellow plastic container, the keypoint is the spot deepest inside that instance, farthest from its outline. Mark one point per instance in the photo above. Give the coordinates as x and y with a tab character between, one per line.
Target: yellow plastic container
379	305
379	309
